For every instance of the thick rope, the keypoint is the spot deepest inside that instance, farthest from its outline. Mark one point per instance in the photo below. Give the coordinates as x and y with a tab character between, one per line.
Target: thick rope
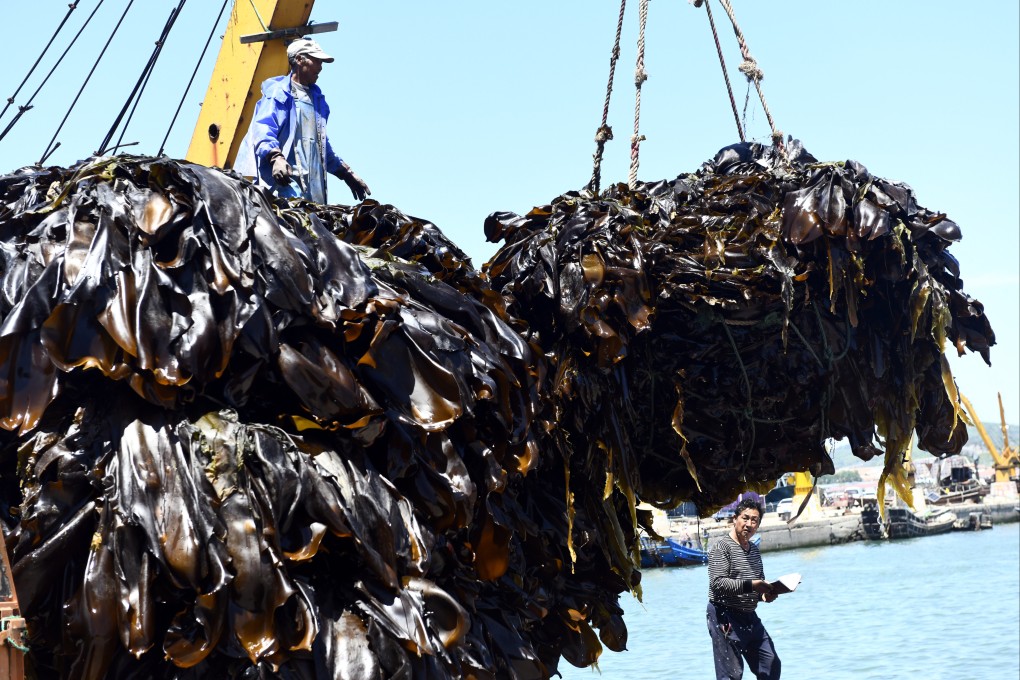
753	73
725	73
640	76
605	133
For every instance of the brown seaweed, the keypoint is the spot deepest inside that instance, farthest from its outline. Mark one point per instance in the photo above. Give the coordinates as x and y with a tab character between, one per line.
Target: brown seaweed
247	438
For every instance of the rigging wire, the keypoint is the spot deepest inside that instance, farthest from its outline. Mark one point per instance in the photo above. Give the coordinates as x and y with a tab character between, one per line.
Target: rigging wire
143	81
28	105
10	100
605	132
212	32
258	16
722	65
753	73
49	147
640	76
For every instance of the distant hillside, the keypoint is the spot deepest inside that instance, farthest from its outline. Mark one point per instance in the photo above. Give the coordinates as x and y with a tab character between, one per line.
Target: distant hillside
844	458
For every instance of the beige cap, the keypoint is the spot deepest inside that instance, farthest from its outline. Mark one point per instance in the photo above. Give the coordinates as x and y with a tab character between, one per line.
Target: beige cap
308	47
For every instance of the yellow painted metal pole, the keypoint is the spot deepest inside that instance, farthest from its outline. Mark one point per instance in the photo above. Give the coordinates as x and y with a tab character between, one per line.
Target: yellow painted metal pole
803	484
1001	460
237	77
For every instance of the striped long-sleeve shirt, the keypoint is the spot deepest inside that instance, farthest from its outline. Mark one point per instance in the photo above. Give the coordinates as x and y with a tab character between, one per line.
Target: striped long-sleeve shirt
730	572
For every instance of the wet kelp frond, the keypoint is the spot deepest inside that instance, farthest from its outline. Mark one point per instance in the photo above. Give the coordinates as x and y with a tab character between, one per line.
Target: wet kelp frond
249	438
235	445
709	333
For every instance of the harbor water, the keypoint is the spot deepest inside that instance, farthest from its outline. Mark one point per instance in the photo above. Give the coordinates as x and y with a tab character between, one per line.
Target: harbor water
941	607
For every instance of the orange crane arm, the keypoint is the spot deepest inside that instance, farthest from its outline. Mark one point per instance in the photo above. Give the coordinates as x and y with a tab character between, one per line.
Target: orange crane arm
234	87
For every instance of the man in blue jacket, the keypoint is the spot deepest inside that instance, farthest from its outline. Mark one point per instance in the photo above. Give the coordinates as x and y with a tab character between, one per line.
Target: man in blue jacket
286	147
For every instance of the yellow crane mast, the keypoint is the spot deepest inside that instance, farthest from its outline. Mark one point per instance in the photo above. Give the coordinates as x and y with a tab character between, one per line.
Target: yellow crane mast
252	50
1006	460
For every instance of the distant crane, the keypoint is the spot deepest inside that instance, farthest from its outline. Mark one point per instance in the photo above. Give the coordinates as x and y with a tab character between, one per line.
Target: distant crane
1006	459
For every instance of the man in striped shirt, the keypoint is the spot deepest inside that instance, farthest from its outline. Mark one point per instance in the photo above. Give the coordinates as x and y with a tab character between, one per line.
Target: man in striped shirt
736	583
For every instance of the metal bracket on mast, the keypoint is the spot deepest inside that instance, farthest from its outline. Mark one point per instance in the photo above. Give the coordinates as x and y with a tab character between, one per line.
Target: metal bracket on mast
295	32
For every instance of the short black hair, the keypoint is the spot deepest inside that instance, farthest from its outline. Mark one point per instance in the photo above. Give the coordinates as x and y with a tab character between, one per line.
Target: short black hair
749	504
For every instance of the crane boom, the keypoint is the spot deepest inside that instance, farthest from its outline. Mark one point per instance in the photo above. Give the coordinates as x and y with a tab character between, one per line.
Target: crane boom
240	69
1006	460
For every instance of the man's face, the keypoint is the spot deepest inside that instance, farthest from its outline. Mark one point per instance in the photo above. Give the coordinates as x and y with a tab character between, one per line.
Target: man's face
306	69
746	524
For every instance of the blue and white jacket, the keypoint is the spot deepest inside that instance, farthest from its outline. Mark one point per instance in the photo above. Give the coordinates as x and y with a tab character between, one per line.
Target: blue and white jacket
272	127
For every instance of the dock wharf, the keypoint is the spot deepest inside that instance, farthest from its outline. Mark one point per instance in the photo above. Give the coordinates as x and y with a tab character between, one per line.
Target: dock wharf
832	528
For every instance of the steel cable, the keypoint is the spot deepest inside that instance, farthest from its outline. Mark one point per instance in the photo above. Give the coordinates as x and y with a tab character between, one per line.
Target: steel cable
28	104
143	81
49	147
722	65
752	72
10	100
184	96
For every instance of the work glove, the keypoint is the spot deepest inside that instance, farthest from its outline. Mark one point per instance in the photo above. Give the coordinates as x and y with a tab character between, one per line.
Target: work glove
357	185
281	168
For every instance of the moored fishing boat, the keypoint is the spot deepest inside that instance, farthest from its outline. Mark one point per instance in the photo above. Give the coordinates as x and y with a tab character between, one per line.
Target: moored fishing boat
685	554
905	523
656	553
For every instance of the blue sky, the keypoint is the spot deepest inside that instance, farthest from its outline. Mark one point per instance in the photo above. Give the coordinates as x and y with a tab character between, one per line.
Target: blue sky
452	110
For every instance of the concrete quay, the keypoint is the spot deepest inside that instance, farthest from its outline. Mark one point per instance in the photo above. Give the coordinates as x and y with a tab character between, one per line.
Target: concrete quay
779	535
831	528
1001	511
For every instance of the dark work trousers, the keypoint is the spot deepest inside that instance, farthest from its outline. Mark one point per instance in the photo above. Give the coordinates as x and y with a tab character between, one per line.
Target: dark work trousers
738	635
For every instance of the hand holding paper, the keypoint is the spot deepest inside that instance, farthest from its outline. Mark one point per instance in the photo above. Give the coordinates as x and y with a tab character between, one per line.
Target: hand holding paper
785	584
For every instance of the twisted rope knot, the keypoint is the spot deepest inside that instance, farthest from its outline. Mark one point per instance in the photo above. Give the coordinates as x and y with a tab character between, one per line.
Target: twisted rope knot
750	69
640	76
777	137
637	139
604	133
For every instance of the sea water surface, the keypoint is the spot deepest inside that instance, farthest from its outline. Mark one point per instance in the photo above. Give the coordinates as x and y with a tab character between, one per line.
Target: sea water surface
939	608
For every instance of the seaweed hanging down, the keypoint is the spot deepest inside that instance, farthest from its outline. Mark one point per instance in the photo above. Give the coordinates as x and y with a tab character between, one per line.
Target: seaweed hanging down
709	333
246	438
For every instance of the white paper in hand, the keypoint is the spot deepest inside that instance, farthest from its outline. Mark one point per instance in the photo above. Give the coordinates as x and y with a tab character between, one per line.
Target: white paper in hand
785	584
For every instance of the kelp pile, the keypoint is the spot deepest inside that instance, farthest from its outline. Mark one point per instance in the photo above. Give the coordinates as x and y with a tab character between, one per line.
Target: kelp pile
238	446
709	333
244	438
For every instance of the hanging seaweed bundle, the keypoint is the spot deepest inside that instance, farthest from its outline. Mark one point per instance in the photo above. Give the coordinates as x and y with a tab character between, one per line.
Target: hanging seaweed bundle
709	333
247	438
